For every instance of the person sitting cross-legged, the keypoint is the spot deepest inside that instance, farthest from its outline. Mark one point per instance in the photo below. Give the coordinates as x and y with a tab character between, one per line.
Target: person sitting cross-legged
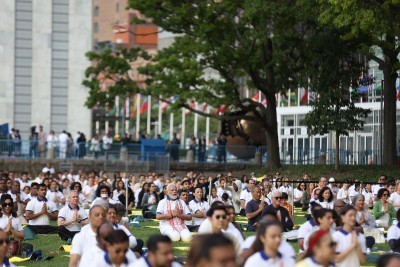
281	212
71	217
172	213
39	212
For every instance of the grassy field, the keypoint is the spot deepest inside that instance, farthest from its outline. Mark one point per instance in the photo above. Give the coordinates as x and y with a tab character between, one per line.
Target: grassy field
49	244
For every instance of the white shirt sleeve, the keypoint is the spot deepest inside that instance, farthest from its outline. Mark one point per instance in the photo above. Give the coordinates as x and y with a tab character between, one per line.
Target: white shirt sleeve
77	244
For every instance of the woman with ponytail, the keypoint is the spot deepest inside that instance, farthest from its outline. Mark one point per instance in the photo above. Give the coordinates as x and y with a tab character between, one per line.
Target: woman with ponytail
320	251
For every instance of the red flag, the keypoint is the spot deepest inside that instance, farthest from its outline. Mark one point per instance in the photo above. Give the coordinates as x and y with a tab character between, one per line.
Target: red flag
304	98
256	97
144	107
220	109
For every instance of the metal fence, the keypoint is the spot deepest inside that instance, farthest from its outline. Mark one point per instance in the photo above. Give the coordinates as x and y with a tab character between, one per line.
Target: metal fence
130	153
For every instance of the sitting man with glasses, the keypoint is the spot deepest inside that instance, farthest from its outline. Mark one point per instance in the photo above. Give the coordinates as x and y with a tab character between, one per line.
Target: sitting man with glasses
281	213
172	213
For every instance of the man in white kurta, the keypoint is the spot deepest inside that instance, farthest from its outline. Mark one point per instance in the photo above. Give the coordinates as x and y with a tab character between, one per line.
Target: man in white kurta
172	213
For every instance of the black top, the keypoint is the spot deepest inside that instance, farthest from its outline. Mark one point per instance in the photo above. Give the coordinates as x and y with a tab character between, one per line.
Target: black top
252	206
287	223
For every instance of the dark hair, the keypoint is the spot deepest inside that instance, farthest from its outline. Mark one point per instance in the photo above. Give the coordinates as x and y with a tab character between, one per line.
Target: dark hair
112	206
3	198
34	184
320	194
211	211
152	243
320	213
42	185
182	191
314	206
384	260
346	209
284	195
202	245
117	236
225	196
101	187
72	186
120	209
398	215
261	229
381	192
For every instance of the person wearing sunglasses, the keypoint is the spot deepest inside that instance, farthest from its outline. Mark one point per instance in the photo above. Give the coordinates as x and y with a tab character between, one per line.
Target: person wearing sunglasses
281	212
320	252
384	212
8	220
351	246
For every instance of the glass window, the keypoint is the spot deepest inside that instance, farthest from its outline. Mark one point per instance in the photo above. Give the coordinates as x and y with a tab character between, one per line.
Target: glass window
96	11
96	27
117	7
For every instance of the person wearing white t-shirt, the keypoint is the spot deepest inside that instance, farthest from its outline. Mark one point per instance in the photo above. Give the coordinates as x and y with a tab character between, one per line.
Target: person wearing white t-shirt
393	235
246	196
18	197
24	180
160	253
39	212
56	196
351	246
172	213
9	221
117	242
268	254
71	218
198	207
86	238
222	189
381	182
369	196
394	198
307	227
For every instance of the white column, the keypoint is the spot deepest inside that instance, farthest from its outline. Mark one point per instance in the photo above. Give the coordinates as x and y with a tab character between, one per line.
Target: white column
208	125
116	107
171	125
148	114
106	126
196	119
138	96
159	128
183	142
127	114
97	127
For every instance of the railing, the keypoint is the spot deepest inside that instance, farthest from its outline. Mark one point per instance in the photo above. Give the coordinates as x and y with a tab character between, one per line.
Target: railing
175	153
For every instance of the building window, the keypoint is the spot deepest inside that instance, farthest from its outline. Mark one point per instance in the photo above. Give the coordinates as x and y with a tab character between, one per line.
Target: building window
96	11
96	27
117	7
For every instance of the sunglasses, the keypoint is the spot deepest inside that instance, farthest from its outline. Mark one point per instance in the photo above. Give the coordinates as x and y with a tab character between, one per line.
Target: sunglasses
223	217
7	204
6	241
278	198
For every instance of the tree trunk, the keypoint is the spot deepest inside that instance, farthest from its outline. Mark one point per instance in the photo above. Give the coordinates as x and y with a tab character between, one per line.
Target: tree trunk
389	116
337	151
274	160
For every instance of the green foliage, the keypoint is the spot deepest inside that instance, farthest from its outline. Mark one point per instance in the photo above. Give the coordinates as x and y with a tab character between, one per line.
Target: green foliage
114	69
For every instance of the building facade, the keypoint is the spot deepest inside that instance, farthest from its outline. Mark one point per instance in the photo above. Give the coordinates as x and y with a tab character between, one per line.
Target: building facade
42	58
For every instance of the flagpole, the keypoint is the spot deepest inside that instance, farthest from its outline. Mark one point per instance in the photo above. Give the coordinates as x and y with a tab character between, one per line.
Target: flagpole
183	128
148	114
196	118
207	126
159	115
127	114
116	114
171	125
138	97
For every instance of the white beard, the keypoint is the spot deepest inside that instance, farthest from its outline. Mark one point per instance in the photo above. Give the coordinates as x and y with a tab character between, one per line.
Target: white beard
173	197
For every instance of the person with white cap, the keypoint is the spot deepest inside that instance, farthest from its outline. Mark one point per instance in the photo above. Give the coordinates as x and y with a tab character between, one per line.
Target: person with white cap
333	186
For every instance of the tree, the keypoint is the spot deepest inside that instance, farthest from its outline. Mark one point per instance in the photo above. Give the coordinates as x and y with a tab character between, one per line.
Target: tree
378	23
260	42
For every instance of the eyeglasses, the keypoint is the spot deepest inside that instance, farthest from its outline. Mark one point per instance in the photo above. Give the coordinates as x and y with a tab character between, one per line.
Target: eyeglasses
332	244
278	198
223	217
6	241
7	204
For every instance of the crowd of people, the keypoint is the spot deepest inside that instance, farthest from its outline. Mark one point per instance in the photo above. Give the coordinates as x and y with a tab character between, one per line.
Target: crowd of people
91	213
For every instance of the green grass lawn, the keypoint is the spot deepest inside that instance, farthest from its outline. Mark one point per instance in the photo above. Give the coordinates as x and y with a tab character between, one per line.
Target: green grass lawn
49	244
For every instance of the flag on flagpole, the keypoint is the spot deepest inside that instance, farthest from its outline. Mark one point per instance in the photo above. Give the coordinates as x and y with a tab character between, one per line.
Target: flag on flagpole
220	109
144	106
256	97
304	98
